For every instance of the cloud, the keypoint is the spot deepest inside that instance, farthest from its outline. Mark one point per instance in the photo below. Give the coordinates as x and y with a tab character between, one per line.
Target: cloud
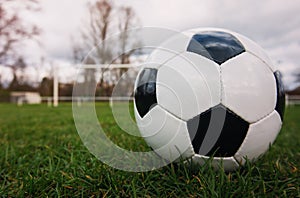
59	21
272	24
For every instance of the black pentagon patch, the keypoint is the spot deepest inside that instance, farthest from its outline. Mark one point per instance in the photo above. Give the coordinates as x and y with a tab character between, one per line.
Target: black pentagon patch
231	134
280	105
215	45
145	93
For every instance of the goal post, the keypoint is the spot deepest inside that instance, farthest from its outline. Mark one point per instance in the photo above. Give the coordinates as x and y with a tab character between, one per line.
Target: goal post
55	90
56	97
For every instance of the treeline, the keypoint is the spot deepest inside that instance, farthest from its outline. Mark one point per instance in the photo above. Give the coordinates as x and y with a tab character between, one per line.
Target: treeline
105	18
45	87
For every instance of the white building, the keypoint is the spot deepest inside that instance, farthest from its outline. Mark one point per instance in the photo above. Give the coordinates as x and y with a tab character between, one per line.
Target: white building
25	97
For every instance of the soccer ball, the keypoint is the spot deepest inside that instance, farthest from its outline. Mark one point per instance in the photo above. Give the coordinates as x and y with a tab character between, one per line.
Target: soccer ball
209	93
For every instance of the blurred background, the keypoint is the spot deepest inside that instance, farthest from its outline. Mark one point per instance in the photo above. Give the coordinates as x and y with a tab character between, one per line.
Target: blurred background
43	41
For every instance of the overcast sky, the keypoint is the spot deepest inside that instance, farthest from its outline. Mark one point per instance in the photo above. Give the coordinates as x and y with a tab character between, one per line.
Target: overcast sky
273	24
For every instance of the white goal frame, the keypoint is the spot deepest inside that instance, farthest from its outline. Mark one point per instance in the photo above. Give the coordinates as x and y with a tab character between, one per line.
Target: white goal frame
55	99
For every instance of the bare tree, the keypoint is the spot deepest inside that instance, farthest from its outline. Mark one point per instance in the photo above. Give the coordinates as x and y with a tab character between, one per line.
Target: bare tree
13	31
20	79
126	21
95	32
103	15
97	29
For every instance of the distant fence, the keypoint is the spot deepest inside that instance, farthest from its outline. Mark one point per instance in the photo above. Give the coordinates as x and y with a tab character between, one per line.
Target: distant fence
80	100
292	99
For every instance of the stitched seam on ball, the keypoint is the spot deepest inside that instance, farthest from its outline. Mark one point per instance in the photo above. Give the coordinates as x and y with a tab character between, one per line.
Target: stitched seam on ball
239	162
189	140
221	84
171	113
189	148
169	59
186	133
263	117
246	137
243	143
269	67
186	136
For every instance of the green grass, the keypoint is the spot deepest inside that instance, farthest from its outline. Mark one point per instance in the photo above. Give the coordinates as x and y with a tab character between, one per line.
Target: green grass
42	155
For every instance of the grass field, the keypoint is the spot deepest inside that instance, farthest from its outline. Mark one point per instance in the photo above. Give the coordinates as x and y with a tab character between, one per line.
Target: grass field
42	155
